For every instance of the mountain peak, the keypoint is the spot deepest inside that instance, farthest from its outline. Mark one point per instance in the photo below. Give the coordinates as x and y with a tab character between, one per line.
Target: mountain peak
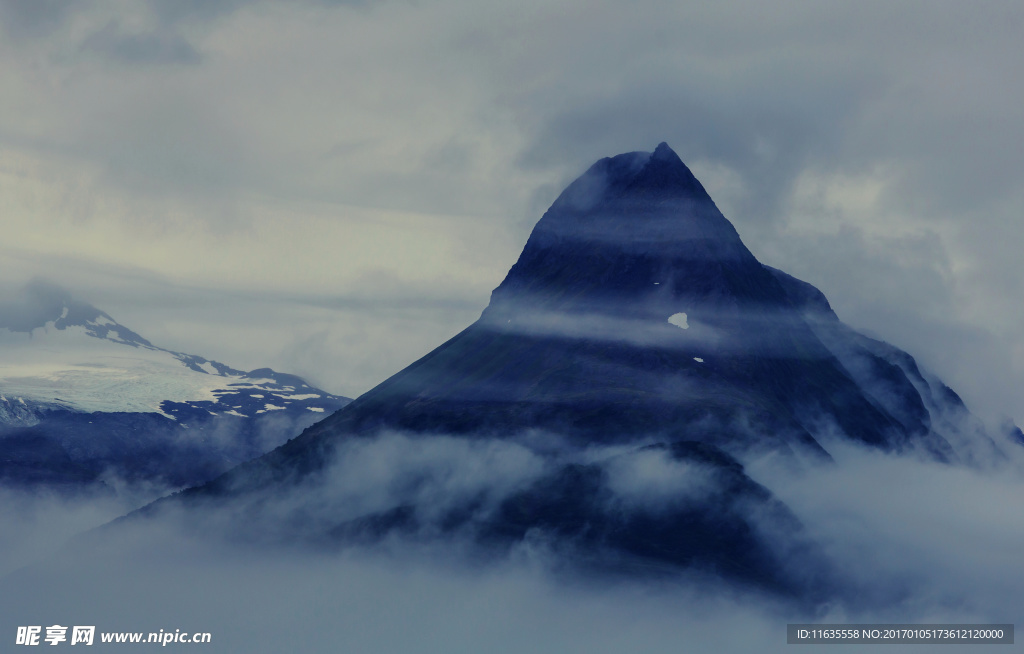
630	177
638	232
41	302
666	174
664	151
666	158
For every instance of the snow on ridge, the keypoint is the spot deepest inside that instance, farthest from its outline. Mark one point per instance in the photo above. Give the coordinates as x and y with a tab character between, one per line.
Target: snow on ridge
91	374
315	409
102	375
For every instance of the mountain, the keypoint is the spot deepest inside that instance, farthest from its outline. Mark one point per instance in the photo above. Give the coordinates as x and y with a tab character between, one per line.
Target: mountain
636	355
84	399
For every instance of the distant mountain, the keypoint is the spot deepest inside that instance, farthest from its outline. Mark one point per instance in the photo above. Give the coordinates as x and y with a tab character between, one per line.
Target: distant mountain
635	327
85	399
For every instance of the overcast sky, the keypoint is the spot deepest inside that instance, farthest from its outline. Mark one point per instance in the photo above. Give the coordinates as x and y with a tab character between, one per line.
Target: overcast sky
333	188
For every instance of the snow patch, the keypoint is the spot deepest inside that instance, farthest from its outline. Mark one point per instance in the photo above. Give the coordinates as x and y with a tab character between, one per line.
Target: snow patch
315	409
232	412
679	320
698	359
102	375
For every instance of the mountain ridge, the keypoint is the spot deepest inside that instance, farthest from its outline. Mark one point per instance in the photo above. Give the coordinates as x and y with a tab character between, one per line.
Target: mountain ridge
82	387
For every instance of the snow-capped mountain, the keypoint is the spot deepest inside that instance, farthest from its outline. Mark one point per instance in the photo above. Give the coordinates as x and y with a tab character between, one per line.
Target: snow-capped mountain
106	399
604	404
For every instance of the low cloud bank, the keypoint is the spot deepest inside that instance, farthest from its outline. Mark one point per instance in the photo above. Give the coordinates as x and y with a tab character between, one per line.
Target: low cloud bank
914	541
916	537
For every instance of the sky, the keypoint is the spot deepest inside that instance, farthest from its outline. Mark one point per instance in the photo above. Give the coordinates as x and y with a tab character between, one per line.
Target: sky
333	188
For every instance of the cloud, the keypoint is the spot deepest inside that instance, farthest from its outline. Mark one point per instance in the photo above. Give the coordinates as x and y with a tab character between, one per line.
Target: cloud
892	522
437	476
362	601
38	523
146	48
652	478
176	11
21	18
914	541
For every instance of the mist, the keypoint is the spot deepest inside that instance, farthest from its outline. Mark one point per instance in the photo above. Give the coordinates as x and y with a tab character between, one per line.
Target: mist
911	540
